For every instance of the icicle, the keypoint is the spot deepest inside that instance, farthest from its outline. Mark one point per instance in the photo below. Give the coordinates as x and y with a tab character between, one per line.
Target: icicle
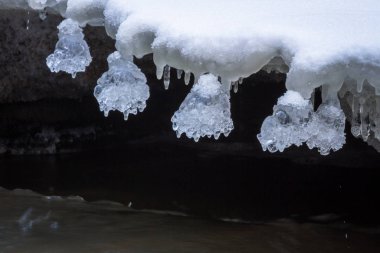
159	72
166	77
364	122
236	86
240	80
187	78
196	77
377	91
179	73
355	121
227	84
312	98
376	119
359	84
42	14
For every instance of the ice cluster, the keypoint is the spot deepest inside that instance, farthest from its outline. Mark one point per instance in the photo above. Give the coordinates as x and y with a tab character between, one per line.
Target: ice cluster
72	54
123	87
205	111
362	106
294	122
317	43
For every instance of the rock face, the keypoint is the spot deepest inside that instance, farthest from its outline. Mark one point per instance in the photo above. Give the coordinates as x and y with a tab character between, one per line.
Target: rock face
25	42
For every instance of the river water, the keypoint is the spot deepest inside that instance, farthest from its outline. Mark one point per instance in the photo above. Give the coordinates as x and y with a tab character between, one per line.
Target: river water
34	223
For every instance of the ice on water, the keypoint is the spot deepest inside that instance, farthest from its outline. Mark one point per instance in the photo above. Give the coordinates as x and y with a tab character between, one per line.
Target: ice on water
205	111
294	122
72	54
123	87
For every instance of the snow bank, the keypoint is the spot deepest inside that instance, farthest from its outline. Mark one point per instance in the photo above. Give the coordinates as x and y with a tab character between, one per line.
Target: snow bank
319	43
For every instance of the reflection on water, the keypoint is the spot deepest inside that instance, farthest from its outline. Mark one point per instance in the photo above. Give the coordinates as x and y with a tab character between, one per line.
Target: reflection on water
33	223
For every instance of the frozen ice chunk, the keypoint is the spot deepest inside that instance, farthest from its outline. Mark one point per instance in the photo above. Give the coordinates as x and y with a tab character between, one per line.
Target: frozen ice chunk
288	124
205	111
71	53
123	87
294	122
327	129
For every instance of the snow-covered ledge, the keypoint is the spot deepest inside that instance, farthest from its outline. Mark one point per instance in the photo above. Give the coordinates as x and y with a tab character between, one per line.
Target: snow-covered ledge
332	45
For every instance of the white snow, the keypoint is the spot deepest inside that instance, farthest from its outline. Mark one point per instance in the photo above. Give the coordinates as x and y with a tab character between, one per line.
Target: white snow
320	43
292	98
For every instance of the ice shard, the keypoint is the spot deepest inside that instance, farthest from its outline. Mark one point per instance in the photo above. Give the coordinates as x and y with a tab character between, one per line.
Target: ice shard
205	111
123	87
72	54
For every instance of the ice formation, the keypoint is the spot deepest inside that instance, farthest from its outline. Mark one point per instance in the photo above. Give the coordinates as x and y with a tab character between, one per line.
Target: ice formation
294	122
72	53
205	111
123	87
362	107
318	43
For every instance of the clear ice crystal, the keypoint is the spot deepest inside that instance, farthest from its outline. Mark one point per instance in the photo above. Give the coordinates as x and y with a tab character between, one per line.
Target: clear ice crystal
205	111
294	122
123	87
179	73
287	126
72	54
187	78
362	105
327	129
43	14
166	77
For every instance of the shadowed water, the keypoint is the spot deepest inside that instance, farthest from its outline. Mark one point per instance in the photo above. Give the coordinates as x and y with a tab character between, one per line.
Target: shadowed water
34	223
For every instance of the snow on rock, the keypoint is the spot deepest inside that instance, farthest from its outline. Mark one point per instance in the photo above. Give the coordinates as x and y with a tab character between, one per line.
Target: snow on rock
205	111
318	43
72	53
123	87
